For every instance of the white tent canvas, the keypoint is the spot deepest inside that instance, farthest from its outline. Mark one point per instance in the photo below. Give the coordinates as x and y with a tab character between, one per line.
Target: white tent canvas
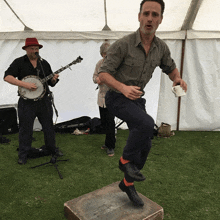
71	28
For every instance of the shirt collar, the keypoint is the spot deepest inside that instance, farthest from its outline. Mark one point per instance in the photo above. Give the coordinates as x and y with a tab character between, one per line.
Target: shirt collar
138	39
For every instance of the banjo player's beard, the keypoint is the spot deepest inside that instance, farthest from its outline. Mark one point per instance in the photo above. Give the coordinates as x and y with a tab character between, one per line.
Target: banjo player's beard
32	56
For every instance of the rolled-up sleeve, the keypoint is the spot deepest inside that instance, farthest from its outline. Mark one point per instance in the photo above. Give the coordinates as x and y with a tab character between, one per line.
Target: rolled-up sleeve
167	63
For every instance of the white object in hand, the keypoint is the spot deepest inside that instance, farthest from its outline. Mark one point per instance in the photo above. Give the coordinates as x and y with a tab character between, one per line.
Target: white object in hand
178	91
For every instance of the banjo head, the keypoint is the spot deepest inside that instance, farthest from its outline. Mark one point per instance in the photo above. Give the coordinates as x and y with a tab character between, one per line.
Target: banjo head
28	94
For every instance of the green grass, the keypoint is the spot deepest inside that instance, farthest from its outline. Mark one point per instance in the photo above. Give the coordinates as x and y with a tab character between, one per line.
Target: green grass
182	175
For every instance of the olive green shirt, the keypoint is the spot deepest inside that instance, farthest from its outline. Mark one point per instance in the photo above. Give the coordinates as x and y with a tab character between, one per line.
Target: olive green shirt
128	63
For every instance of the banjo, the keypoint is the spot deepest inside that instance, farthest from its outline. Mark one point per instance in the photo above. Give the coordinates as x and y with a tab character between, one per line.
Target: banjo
41	89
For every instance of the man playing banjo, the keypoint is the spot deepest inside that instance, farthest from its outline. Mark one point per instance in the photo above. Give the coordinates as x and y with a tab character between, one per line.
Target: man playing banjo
31	65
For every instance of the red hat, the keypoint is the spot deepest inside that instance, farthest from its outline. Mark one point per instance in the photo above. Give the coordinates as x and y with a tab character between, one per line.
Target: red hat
31	42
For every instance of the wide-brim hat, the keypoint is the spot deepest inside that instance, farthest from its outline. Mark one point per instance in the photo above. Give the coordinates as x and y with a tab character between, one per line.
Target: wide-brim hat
31	42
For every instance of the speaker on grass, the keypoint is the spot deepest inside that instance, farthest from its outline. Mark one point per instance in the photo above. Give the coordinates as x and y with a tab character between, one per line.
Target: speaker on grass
8	121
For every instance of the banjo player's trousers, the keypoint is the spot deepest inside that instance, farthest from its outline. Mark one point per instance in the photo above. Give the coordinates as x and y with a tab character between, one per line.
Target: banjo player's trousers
28	110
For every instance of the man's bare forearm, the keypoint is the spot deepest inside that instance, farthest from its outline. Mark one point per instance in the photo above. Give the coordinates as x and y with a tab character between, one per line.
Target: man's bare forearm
177	80
131	92
12	80
110	81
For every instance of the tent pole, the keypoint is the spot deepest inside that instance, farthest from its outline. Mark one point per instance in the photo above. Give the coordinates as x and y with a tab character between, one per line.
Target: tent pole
181	75
26	28
106	27
187	25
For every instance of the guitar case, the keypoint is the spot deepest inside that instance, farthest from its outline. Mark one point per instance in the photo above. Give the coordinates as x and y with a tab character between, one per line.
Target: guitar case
82	123
69	126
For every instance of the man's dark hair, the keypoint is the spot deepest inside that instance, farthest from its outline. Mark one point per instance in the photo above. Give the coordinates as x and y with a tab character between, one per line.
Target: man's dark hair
161	2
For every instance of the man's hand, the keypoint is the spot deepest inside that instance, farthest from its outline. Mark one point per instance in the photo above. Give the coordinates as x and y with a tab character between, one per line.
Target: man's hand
98	81
177	80
131	92
180	82
30	86
54	79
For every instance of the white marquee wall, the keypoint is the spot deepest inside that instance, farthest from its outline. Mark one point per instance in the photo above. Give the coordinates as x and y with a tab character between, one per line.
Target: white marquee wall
200	110
75	94
200	107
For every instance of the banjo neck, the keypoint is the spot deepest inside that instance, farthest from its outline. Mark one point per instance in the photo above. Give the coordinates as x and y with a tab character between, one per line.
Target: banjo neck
78	60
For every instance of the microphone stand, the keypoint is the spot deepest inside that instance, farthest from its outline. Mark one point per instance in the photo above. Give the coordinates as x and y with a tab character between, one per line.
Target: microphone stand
47	87
53	160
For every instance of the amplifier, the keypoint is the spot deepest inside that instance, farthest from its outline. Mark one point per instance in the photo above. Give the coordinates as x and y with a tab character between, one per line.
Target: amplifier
8	121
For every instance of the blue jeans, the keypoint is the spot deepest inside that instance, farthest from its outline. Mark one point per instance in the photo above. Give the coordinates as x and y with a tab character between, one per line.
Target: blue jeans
140	124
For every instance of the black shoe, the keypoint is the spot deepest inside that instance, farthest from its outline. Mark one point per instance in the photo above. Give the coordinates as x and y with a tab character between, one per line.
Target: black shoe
131	170
22	161
58	153
110	152
103	147
132	194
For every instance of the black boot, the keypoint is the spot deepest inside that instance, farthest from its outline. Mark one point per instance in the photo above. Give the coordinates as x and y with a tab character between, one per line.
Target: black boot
132	194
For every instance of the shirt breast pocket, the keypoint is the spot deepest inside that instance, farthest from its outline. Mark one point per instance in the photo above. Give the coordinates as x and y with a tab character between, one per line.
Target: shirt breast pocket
133	66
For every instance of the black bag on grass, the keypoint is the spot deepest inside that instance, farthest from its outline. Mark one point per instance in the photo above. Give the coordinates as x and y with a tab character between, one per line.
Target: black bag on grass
69	126
37	152
95	126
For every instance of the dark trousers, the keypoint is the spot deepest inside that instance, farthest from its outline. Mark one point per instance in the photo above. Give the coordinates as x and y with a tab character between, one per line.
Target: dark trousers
140	124
28	110
108	123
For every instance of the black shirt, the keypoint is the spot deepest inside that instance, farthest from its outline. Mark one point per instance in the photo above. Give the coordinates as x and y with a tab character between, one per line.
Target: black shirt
22	67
